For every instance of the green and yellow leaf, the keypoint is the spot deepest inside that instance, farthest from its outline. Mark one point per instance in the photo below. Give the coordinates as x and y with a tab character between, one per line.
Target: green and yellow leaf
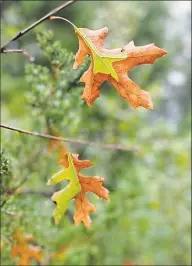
62	197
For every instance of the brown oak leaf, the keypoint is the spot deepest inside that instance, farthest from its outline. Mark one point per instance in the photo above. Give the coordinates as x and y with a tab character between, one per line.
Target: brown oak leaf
24	250
112	65
83	206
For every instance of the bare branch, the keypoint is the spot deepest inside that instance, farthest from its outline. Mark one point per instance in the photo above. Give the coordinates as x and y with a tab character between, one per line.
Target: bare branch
46	17
30	57
76	141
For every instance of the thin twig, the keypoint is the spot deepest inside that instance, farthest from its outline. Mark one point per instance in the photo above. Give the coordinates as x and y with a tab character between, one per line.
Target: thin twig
77	141
30	57
46	17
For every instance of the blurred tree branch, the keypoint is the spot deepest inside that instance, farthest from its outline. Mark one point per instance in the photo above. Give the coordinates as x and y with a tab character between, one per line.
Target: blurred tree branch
83	142
46	17
19	51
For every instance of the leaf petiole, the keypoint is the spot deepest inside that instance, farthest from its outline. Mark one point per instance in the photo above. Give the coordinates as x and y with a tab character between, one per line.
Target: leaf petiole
56	17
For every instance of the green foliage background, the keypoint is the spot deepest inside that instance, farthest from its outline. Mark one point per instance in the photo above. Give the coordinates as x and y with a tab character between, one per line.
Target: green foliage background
147	220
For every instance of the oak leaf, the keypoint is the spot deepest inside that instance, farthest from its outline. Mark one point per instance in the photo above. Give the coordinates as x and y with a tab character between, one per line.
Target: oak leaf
24	250
112	65
83	206
78	187
88	184
62	197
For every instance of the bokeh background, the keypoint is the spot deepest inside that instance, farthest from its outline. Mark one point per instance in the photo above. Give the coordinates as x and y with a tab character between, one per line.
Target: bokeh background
147	220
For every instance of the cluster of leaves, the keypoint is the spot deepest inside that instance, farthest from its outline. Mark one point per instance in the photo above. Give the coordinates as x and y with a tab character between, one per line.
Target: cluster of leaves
6	178
5	169
102	68
142	198
53	98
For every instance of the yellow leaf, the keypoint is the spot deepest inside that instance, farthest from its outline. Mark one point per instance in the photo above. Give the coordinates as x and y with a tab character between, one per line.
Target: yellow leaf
62	197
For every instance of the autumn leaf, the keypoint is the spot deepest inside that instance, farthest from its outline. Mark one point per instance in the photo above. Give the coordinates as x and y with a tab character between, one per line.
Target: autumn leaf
113	65
83	206
78	187
62	197
88	184
24	250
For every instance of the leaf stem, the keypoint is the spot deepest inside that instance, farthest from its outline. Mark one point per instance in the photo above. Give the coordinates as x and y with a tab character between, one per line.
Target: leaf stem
61	18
